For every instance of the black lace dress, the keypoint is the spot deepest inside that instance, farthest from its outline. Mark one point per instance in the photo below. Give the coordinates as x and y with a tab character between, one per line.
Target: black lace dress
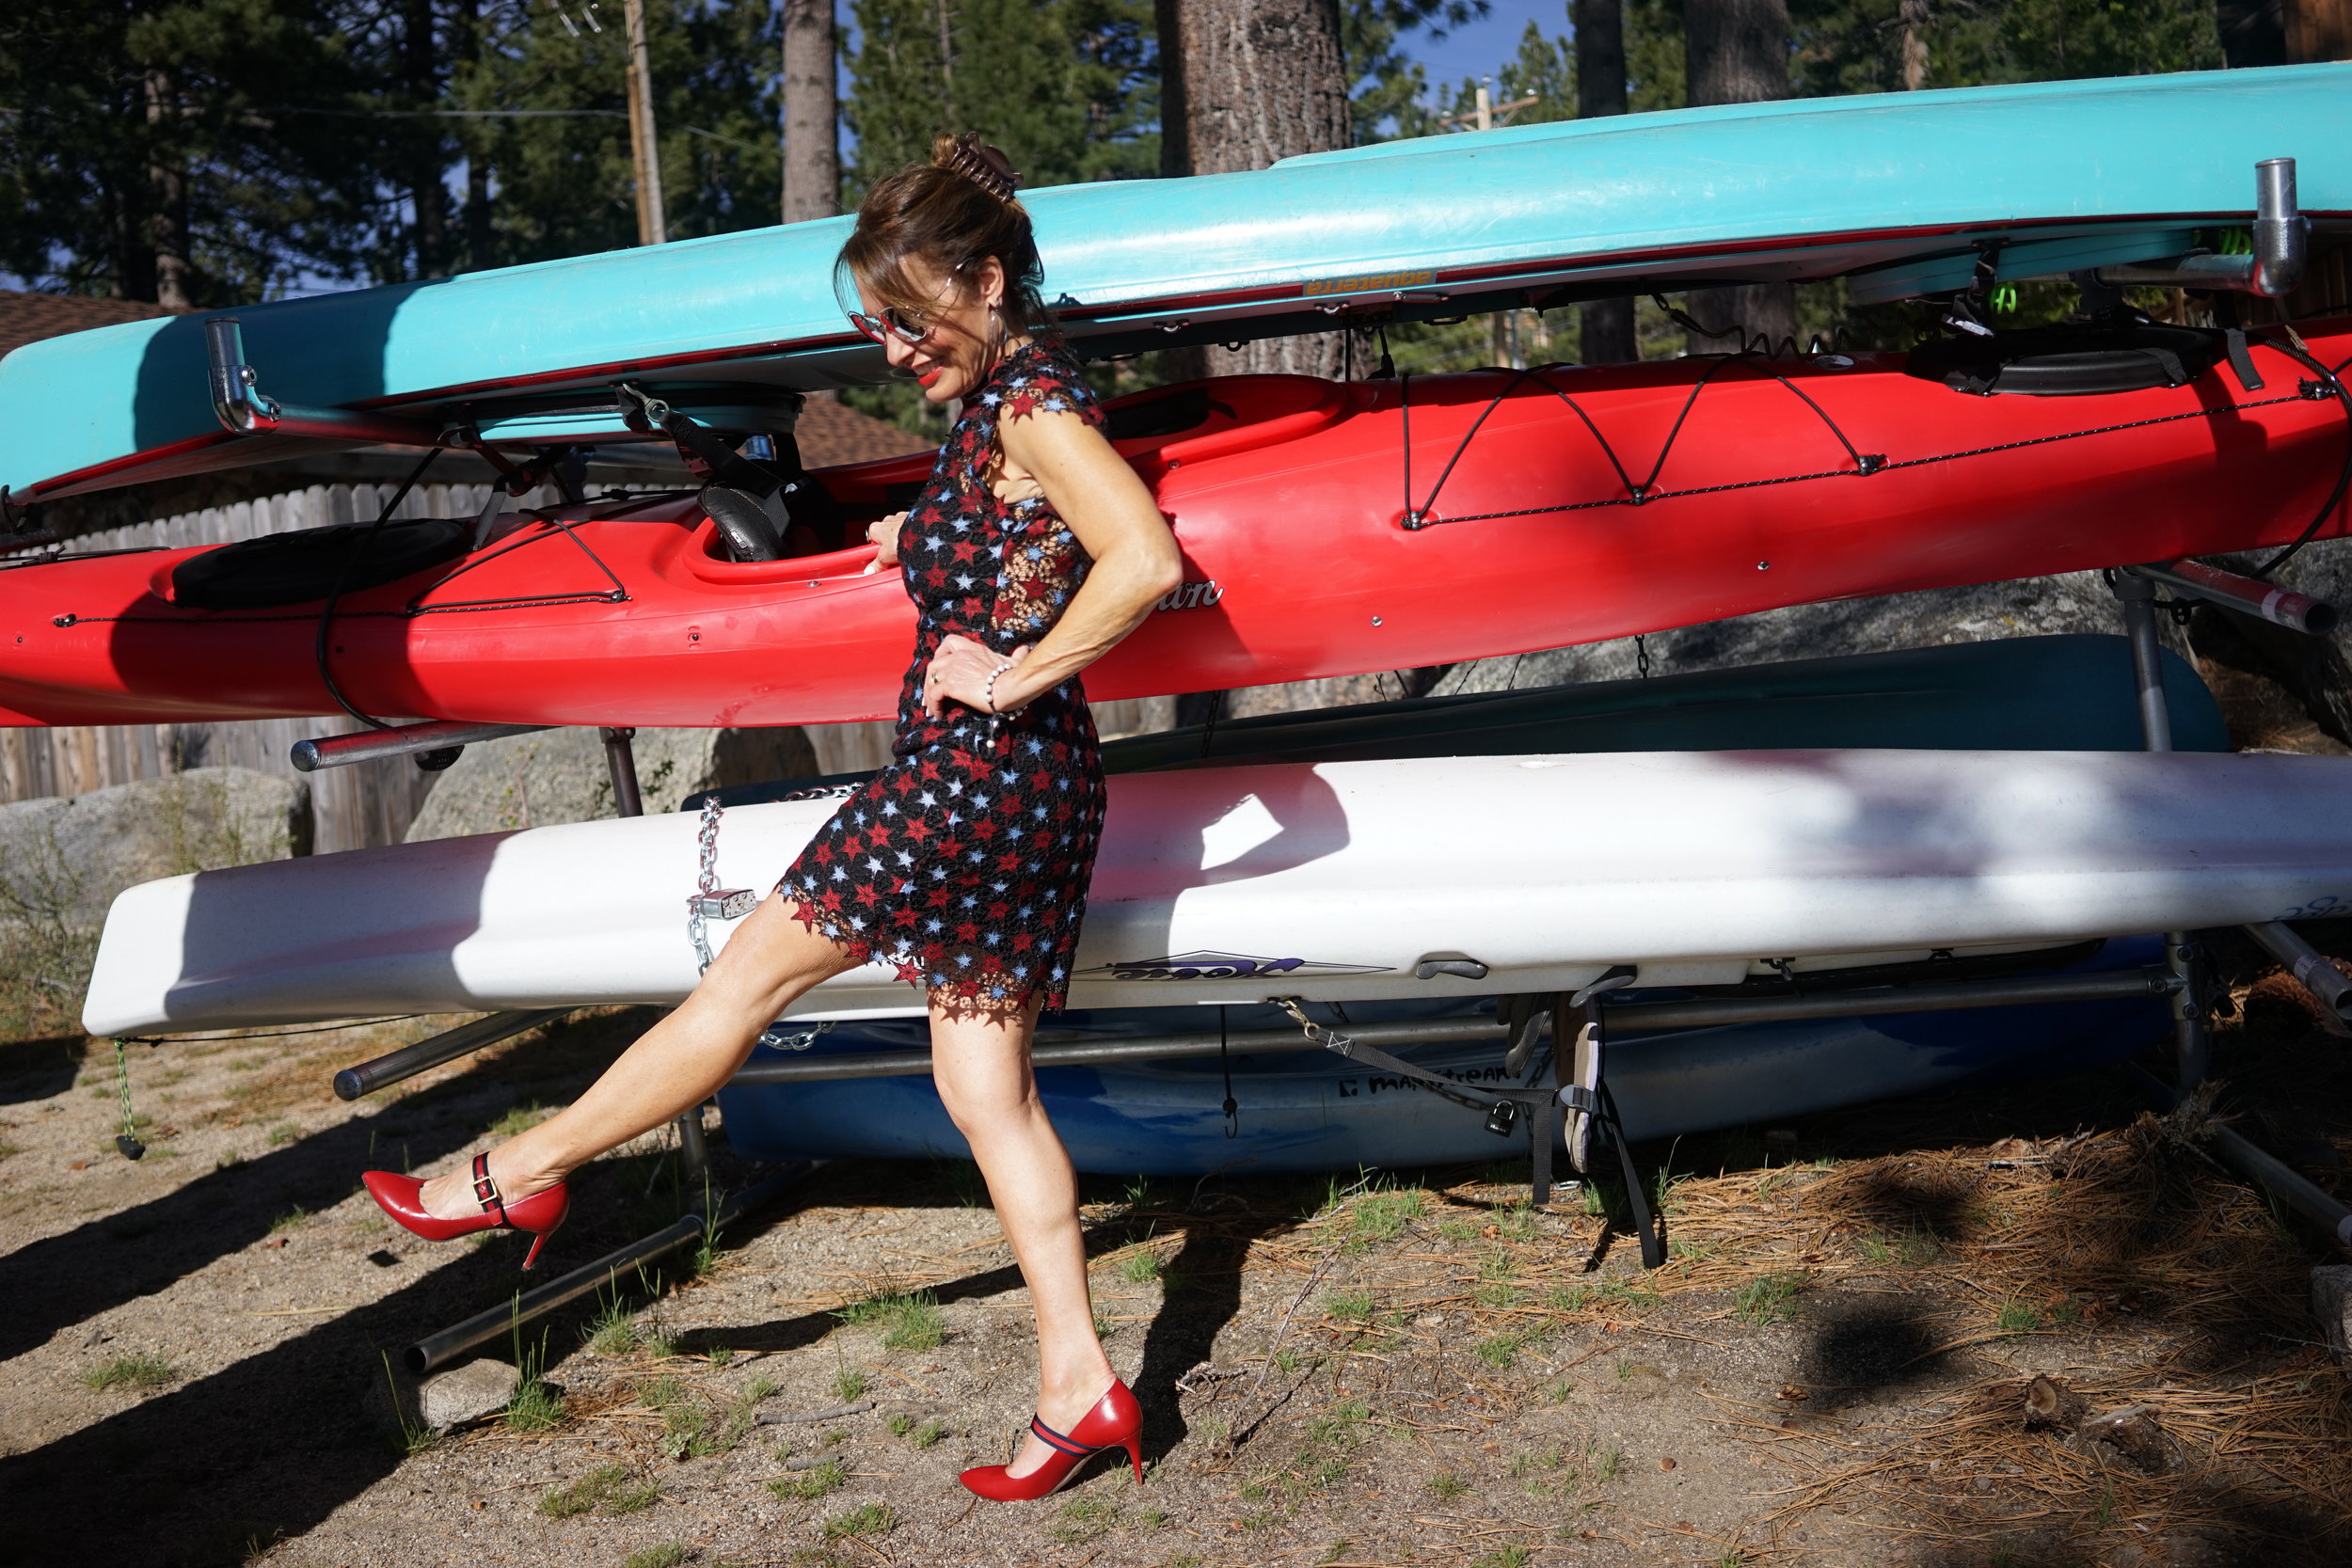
965	861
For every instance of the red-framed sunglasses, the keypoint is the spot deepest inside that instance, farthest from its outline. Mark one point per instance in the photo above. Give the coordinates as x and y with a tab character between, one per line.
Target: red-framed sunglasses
881	328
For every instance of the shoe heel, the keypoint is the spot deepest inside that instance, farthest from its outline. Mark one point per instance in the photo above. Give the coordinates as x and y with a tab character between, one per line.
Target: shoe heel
538	1240
1135	1457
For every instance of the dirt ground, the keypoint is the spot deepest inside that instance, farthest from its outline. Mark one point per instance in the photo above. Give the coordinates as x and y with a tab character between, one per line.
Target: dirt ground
1410	1368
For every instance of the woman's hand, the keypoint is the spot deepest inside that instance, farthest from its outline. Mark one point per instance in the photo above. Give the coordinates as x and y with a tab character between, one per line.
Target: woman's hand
883	536
959	671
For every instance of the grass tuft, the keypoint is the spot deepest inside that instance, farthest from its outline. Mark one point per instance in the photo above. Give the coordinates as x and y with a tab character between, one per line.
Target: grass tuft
865	1519
615	1488
1770	1300
849	1385
815	1482
143	1371
1446	1484
669	1553
910	1320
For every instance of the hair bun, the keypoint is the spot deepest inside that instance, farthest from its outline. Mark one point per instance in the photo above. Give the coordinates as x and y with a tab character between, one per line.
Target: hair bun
977	162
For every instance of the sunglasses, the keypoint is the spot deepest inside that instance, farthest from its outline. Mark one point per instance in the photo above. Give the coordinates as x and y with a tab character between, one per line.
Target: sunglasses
889	325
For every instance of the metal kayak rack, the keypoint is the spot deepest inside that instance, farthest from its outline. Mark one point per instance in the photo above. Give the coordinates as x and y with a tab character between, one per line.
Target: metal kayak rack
1594	1013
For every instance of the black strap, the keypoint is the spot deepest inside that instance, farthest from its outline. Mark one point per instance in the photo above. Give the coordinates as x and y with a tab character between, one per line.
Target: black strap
1653	1244
1232	1106
351	564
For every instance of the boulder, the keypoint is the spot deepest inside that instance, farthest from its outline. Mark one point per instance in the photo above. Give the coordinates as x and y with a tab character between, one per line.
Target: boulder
531	780
63	861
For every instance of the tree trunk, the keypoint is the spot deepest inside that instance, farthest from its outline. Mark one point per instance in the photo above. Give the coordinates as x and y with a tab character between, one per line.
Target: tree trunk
2318	30
812	142
427	194
1607	336
168	192
1913	15
1737	51
1255	81
479	240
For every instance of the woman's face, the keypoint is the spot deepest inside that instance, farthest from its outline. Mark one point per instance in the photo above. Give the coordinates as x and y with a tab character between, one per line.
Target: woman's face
954	356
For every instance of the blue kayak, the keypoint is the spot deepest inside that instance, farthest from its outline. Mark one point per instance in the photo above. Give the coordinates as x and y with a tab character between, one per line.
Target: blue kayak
1311	1111
1903	194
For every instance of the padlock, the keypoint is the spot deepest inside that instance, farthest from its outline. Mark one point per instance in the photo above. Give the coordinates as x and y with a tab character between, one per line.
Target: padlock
1504	1117
726	903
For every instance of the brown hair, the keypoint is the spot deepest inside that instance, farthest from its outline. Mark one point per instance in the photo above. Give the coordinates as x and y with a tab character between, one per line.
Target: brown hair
953	213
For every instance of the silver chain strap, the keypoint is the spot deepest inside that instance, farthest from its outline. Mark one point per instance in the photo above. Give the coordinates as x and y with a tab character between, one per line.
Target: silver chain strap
710	901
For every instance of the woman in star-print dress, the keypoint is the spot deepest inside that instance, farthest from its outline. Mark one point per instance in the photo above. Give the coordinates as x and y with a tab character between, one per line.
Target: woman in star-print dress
964	863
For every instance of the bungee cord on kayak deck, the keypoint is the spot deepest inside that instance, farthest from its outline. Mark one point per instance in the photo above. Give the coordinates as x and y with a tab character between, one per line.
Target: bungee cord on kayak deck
1866	464
553	528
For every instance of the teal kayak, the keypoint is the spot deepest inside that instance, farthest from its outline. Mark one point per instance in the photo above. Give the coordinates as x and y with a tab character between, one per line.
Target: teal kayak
1905	193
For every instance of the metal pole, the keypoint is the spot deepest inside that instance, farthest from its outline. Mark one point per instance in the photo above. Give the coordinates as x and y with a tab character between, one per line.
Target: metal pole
645	144
2189	1055
1145	1048
447	1046
2251	595
2139	625
1651	1018
340	750
438	1350
2312	970
620	759
2301	1194
693	1147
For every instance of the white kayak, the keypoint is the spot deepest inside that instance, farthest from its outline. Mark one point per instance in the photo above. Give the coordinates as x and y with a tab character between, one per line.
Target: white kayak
1334	881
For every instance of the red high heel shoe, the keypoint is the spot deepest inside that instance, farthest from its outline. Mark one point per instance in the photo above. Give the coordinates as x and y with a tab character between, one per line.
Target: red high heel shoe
539	1214
1115	1422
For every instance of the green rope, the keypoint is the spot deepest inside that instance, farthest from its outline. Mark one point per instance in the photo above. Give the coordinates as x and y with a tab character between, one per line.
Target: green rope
127	1140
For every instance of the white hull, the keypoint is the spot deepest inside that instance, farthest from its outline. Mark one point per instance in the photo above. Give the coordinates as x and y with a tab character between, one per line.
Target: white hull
1330	880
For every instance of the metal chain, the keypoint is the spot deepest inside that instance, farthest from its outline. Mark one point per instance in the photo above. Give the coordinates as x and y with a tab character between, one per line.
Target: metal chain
127	1141
777	1038
1640	656
705	884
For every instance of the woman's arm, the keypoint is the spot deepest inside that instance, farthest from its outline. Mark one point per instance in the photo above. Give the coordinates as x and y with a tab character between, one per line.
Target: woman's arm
1116	520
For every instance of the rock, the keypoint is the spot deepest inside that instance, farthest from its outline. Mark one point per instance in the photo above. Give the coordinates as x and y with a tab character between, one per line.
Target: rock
2331	1304
529	781
445	1400
65	860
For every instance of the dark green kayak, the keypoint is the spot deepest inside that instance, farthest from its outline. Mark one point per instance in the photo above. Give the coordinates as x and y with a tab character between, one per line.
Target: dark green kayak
2071	693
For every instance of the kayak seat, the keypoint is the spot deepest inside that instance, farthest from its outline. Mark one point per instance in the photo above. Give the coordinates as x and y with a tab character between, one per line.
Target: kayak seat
309	565
2074	361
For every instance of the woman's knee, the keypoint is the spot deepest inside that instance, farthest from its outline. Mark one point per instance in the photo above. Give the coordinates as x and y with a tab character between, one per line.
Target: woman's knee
983	1112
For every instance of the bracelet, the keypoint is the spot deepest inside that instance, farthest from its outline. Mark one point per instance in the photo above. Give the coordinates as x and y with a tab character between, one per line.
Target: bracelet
987	692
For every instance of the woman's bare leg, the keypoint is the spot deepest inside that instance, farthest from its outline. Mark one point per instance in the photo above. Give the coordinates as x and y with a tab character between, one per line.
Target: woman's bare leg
981	1065
677	1064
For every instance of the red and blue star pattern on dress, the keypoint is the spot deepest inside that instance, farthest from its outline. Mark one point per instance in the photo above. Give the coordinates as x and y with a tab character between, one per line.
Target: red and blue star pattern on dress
966	862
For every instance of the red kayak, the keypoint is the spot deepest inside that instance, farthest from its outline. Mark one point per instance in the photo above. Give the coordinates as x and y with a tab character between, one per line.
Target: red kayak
1328	529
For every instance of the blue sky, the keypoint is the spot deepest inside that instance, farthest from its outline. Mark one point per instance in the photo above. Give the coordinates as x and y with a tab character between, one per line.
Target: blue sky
1477	48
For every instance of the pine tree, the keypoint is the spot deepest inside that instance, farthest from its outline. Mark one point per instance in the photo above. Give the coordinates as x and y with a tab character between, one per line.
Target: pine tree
1066	87
164	149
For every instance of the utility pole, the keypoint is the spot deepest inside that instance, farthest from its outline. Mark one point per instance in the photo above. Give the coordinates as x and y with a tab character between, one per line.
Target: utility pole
644	146
1481	115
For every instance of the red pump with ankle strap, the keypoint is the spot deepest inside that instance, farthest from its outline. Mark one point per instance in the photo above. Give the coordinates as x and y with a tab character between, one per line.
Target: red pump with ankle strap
539	1214
1115	1422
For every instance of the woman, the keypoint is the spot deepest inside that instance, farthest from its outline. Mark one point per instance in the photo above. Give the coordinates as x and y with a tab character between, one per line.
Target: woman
966	862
